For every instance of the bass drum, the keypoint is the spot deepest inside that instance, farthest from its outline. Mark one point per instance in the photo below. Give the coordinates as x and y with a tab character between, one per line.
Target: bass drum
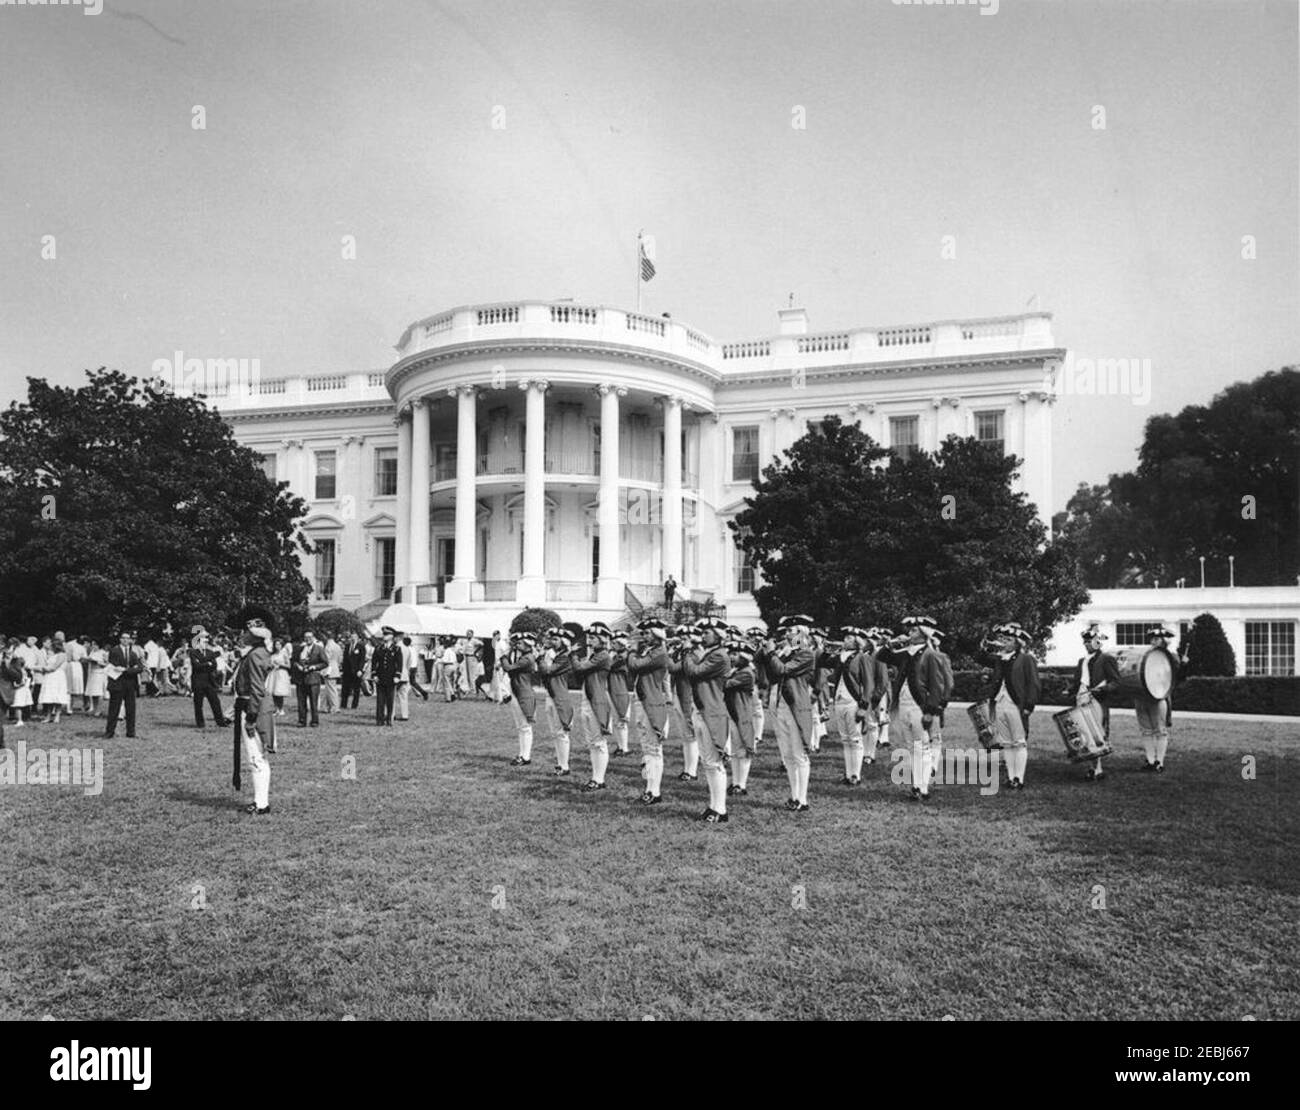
1148	671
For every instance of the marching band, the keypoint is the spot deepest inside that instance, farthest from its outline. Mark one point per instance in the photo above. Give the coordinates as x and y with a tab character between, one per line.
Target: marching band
710	686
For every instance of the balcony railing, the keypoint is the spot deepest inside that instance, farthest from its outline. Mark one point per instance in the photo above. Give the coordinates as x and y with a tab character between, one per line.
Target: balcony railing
493	589
429	593
444	471
500	462
571	591
641	469
572	462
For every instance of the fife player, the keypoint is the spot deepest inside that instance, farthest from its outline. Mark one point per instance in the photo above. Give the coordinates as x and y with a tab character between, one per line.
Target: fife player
647	666
554	667
596	710
790	669
707	668
520	665
739	692
850	687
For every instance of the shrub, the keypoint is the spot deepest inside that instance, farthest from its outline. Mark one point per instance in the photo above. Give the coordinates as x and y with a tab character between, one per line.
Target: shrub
1207	650
1200	693
341	622
534	620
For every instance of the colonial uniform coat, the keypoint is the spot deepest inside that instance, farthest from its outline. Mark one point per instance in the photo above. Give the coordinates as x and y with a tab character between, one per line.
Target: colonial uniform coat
738	692
647	671
520	666
792	674
556	673
1097	669
594	673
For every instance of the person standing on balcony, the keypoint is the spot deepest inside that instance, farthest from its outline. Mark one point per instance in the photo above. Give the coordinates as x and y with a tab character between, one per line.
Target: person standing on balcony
555	667
670	592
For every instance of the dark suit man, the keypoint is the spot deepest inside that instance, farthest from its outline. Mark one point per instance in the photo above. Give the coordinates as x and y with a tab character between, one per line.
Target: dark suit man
305	671
354	669
204	683
386	669
125	688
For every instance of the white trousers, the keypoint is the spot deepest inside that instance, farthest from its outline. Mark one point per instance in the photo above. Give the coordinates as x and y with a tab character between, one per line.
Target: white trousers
260	767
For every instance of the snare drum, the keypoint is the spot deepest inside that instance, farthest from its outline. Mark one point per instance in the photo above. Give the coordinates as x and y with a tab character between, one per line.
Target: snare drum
1080	727
978	713
1146	670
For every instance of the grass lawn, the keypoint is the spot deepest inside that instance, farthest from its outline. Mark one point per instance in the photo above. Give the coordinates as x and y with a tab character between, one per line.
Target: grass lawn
375	897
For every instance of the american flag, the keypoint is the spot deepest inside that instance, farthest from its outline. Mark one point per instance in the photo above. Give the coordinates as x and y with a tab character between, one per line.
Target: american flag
647	257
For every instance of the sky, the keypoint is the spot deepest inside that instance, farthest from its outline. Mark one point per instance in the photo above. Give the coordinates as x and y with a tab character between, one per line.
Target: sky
375	120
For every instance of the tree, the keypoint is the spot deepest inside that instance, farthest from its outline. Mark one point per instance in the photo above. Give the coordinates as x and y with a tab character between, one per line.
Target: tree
534	620
840	535
1207	651
1215	480
125	507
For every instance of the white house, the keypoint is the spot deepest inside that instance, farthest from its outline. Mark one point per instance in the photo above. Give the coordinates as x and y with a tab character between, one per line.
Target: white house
574	456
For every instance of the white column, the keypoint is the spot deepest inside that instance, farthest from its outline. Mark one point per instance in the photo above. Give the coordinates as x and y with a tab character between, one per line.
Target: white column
458	589
403	561
672	505
532	584
419	532
609	588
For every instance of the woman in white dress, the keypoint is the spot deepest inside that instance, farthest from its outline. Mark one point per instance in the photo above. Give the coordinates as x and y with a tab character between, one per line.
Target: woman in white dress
280	686
22	703
75	675
54	690
96	677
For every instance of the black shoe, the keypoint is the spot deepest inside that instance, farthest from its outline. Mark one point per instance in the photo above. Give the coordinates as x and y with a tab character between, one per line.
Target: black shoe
131	736
648	799
684	777
737	791
803	808
560	772
260	812
1018	784
593	785
792	805
225	724
711	817
1148	766
109	736
520	761
1093	775
1160	768
925	796
315	724
846	781
916	793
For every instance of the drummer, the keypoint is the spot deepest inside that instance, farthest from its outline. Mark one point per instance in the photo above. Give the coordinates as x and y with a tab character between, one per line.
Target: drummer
1096	678
1155	717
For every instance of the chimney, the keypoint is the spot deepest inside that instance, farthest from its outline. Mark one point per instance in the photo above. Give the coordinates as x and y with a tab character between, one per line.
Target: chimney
794	321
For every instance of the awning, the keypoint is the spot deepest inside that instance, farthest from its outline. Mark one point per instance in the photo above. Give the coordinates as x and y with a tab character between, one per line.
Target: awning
426	620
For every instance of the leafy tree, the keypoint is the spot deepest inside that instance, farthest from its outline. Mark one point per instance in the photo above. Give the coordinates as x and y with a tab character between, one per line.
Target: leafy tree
839	534
1215	480
123	507
1207	651
534	620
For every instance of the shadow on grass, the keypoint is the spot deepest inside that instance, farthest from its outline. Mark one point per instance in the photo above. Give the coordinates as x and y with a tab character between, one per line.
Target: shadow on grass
208	801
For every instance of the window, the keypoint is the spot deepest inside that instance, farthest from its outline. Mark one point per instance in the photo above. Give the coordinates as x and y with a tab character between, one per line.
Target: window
988	429
268	463
385	565
1133	633
325	475
444	462
386	472
744	572
324	570
904	435
744	454
1270	647
595	558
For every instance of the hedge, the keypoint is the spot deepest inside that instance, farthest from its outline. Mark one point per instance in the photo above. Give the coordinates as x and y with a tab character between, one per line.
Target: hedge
1202	694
